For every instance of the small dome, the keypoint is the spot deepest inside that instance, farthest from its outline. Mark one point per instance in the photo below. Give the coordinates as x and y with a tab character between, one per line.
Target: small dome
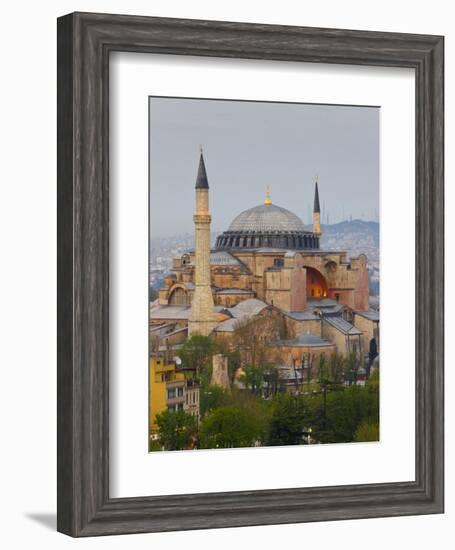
267	218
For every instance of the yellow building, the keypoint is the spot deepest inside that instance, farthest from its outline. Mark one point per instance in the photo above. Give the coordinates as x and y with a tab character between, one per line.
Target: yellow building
170	390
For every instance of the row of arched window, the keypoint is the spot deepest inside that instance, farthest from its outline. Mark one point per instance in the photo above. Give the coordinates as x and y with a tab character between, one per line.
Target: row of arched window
293	242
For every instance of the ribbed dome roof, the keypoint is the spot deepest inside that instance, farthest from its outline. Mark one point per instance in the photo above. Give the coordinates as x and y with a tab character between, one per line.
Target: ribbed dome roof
267	218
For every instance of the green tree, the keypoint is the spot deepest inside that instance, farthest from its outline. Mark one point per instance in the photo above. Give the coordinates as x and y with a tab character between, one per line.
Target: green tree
196	354
229	427
373	381
336	368
352	366
253	378
308	361
213	397
177	430
325	384
154	446
344	411
367	431
287	420
271	380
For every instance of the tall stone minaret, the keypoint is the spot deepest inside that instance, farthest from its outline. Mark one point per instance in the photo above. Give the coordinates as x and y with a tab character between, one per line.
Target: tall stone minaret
203	319
316	211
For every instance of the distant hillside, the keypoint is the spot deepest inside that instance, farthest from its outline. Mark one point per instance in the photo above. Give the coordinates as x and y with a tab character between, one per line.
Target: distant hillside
352	228
356	237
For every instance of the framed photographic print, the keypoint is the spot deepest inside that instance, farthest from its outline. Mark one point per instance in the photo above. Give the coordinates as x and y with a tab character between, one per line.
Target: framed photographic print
250	252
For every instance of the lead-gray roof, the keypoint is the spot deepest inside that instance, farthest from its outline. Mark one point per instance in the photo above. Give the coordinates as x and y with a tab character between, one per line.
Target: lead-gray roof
324	303
304	340
163	326
374	302
248	308
267	218
221	309
342	325
221	257
306	315
170	312
371	314
243	310
177	331
227	326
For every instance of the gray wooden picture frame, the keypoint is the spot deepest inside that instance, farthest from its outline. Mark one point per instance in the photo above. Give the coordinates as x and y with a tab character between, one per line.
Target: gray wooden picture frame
85	41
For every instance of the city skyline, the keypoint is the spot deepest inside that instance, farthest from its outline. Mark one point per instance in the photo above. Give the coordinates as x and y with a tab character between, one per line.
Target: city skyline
252	146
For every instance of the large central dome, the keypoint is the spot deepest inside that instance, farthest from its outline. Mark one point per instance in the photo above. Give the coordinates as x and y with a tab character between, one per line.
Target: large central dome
267	226
267	218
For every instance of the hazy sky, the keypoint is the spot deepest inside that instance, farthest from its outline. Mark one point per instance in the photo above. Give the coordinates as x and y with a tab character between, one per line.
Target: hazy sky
251	145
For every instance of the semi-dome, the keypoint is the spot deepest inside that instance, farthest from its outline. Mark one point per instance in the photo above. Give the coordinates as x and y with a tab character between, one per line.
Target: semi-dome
267	226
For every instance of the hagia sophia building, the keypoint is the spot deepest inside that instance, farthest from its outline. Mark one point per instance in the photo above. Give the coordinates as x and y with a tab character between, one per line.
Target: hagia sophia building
266	265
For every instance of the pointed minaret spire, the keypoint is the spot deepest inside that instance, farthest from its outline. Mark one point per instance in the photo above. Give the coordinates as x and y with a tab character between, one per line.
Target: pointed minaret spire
316	211
201	179
316	208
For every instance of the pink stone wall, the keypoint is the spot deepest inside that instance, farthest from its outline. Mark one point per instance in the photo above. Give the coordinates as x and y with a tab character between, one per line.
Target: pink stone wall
298	290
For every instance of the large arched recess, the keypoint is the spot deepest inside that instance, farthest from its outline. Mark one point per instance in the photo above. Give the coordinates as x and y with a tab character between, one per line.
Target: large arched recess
179	297
316	284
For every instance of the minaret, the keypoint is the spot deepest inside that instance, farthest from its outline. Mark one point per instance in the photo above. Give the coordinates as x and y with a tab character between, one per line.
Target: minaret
316	211
203	319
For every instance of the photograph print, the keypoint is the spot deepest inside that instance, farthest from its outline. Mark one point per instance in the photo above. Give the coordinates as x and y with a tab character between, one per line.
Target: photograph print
264	274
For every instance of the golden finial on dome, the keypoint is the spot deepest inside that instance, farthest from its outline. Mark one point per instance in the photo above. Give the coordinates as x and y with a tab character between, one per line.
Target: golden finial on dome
268	200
